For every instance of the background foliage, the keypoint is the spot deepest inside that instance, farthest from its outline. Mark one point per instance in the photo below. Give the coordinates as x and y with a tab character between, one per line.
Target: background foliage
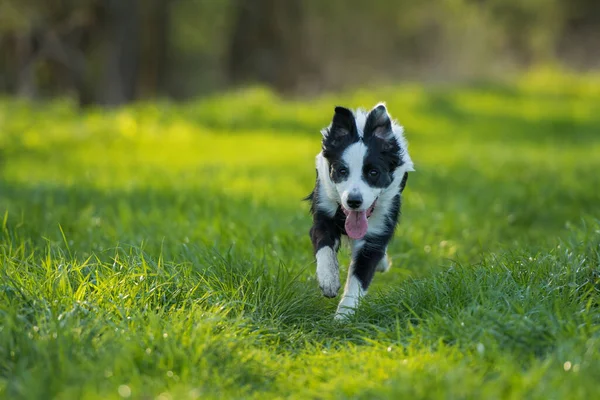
114	51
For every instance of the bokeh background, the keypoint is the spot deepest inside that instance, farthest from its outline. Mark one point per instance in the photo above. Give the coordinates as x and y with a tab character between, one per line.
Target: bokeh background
153	158
116	51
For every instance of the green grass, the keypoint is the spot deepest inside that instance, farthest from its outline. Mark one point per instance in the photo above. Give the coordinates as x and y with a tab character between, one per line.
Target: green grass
160	251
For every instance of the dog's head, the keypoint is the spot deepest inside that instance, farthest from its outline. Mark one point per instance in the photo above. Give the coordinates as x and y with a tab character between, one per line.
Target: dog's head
364	152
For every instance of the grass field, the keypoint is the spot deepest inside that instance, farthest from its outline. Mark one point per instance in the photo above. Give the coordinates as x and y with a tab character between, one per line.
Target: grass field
161	251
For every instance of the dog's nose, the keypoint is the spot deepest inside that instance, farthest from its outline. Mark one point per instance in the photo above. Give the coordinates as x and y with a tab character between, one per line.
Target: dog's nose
354	200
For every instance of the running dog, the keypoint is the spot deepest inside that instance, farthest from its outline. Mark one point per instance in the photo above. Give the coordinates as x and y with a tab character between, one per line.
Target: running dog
361	173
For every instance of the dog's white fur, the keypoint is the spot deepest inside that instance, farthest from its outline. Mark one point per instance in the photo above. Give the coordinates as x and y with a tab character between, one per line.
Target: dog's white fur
353	292
328	271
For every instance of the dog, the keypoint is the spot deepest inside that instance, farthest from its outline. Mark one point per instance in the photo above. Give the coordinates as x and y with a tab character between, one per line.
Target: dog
362	170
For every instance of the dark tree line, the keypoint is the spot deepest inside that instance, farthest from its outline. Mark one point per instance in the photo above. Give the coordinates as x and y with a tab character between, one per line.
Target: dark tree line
268	45
115	51
98	51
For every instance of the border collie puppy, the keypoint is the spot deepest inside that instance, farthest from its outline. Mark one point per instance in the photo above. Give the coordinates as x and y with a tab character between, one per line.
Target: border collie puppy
361	173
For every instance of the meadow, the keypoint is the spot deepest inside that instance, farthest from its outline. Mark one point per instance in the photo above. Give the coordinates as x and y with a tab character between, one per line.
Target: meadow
161	250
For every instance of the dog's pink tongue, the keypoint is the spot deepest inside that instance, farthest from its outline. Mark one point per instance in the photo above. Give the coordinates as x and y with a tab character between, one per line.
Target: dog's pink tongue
356	224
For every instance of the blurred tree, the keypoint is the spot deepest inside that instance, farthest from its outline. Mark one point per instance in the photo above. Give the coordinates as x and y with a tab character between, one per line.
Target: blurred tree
268	44
116	51
199	33
48	37
89	48
579	41
122	58
155	34
528	28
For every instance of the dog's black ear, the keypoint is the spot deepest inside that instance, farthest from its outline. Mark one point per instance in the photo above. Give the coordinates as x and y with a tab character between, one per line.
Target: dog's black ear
379	124
342	129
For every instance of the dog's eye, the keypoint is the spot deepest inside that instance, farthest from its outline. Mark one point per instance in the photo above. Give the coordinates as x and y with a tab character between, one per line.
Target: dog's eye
373	173
343	171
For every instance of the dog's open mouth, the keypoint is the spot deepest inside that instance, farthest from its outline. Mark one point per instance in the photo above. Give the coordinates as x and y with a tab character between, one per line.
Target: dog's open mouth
357	222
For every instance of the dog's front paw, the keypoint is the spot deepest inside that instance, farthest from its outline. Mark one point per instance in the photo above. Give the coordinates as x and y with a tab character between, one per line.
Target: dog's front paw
343	313
351	298
346	308
329	279
330	288
328	272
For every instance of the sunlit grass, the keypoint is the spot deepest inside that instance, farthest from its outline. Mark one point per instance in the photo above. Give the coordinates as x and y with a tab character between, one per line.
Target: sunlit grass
162	250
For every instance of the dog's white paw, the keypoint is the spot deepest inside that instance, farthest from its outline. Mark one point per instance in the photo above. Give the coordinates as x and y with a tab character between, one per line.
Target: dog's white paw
328	272
343	313
330	285
385	264
352	295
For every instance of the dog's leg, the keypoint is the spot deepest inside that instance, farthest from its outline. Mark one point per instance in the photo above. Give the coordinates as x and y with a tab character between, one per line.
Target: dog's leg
326	241
365	259
328	271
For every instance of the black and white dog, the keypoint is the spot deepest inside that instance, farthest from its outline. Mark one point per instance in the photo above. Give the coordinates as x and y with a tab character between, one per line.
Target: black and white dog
361	173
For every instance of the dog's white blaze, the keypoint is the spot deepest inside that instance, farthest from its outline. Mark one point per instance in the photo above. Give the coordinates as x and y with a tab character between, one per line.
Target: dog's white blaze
352	295
354	157
328	272
361	120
